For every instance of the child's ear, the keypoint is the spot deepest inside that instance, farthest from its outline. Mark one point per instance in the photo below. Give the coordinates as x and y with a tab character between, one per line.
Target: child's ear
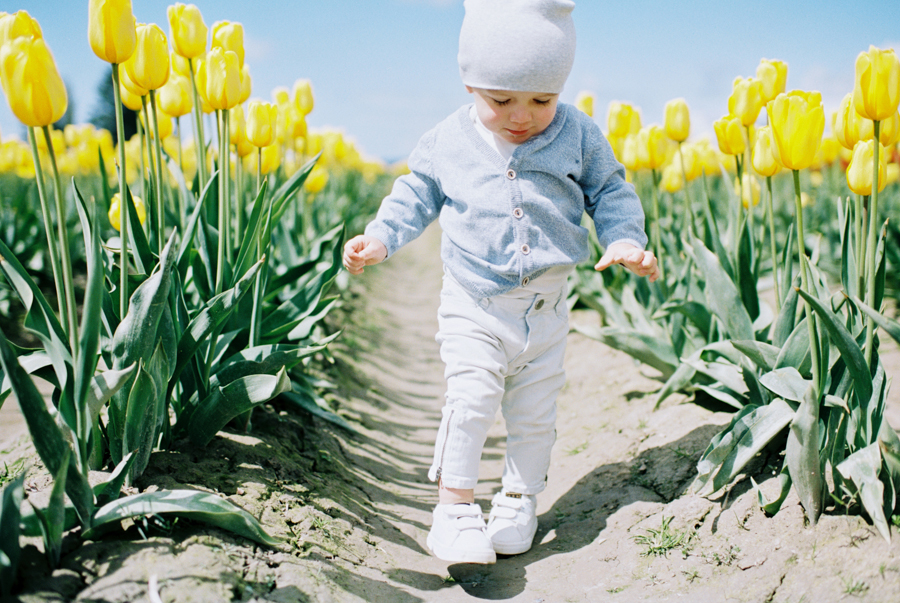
469	89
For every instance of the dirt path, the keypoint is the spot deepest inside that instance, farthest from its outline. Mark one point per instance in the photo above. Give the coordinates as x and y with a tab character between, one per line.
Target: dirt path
355	509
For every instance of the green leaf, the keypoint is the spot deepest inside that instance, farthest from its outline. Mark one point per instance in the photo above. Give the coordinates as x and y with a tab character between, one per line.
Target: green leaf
802	455
795	351
285	191
849	274
139	434
184	251
846	344
748	272
10	502
229	401
749	431
786	382
53	519
890	326
247	255
307	400
721	294
784	481
189	504
762	354
648	349
109	490
786	321
143	256
48	438
862	467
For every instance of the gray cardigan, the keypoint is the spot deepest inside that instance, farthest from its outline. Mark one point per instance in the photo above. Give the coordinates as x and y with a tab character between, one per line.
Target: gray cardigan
505	223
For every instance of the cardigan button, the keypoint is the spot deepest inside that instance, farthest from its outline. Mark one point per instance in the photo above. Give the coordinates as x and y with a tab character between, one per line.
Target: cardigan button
526	249
525	281
539	304
517	212
511	174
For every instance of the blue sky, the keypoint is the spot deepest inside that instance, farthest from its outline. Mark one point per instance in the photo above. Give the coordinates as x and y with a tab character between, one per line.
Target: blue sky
385	71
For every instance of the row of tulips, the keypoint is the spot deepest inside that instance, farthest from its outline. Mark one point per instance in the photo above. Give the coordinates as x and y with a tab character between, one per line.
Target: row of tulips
210	300
806	373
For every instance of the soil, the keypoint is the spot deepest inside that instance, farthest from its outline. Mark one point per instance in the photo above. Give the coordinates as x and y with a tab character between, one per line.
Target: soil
354	508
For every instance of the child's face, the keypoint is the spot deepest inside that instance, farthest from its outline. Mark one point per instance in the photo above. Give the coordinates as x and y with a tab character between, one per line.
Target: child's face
514	116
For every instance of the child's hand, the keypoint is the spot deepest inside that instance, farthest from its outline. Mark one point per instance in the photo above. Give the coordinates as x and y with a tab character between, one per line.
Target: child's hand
362	251
642	263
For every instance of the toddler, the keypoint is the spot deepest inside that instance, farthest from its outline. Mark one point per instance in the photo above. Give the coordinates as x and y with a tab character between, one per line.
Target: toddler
509	178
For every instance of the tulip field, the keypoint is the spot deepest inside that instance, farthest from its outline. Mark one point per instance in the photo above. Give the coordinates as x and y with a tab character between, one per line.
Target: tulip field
167	287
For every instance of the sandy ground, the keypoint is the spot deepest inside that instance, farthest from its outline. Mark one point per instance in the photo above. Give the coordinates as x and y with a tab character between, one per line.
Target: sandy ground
355	509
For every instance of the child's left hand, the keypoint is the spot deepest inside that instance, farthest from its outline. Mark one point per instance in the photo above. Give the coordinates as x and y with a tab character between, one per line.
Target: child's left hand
639	261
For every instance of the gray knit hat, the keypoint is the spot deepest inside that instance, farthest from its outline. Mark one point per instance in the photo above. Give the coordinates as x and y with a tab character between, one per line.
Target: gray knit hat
521	45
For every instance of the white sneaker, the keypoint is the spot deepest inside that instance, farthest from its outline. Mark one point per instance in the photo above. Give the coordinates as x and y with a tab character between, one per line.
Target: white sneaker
513	522
459	534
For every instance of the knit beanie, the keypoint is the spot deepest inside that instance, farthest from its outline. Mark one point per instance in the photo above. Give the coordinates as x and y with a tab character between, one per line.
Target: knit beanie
520	45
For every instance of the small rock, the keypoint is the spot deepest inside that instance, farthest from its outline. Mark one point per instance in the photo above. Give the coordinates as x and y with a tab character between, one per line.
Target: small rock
746	564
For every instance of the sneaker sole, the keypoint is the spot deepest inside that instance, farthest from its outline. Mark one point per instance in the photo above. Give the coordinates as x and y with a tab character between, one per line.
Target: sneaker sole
514	548
455	556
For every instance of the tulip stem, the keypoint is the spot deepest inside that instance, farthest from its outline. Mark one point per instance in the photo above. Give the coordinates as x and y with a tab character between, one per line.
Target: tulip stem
200	139
862	203
181	208
688	205
124	215
871	247
770	210
226	162
63	242
259	170
48	228
805	284
160	207
657	237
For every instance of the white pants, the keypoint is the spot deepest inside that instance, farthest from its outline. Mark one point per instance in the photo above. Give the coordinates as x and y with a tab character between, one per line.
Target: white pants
505	351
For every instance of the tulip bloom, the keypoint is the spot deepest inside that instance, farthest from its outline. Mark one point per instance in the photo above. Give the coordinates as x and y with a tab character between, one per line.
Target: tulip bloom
678	120
773	76
246	84
261	120
859	172
187	29
584	101
763	153
630	155
18	24
729	135
148	67
688	157
746	100
223	79
797	121
876	93
672	180
175	97
270	158
130	99
653	147
849	126
180	64
621	119
708	159
229	35
237	124
200	75
34	89
316	180
747	189
111	30
302	96
115	210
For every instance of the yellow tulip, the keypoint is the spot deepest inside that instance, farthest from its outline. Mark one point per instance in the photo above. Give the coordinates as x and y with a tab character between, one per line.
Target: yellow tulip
34	89
130	84
672	180
17	25
175	97
229	35
876	93
584	101
747	189
890	130
621	119
798	121
892	173
271	158
115	210
773	76
763	154
729	135
298	125
316	180
281	96
180	65
130	99
687	157
223	78
678	120
709	160
111	29
187	29
200	75
237	124
630	156
165	124
246	83
261	123
746	100
829	150
303	96
148	67
849	126
859	171
653	147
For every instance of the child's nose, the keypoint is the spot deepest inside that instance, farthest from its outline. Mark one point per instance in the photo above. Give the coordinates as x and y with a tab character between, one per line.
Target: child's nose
520	115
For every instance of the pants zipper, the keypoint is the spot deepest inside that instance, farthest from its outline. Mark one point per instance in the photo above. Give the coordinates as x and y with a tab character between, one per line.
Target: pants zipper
444	448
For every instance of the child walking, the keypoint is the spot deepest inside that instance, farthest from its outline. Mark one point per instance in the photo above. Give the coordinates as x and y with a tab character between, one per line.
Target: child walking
509	178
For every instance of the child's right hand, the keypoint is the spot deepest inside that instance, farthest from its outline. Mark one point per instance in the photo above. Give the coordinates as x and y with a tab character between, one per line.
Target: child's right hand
362	251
